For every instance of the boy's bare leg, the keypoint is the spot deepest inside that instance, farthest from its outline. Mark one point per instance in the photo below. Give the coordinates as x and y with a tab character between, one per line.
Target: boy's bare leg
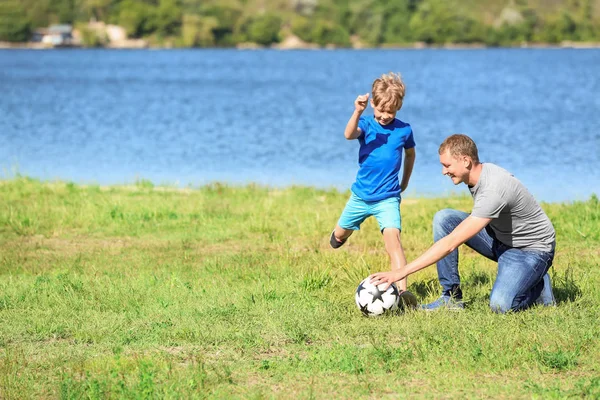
342	234
393	246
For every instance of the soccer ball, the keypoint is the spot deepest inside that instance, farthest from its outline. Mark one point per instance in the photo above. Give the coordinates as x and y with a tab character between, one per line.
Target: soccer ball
373	300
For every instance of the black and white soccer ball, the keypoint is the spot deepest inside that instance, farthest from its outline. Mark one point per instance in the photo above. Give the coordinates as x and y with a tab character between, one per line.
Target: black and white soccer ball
373	301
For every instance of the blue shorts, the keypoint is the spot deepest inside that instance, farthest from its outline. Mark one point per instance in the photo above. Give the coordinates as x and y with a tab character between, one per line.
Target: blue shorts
386	211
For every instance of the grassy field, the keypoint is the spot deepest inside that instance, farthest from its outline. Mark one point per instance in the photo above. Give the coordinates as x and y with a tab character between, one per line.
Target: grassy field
233	292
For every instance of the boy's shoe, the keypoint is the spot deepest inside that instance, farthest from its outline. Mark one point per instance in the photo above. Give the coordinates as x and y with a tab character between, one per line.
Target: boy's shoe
546	298
407	300
334	242
444	302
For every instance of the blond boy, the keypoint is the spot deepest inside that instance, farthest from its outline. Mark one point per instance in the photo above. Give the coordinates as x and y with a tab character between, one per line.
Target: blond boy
376	192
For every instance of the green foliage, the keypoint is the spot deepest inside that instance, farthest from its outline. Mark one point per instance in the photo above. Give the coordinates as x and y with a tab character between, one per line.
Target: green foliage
65	10
137	18
320	31
264	29
437	21
168	18
324	32
204	23
197	31
302	27
338	12
90	38
396	27
228	17
368	21
14	23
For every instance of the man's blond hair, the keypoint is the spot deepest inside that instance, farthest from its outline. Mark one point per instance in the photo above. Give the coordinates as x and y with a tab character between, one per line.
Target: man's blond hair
388	92
460	145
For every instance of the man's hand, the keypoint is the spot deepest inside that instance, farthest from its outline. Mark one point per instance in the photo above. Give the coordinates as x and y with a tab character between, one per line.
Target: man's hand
360	104
386	277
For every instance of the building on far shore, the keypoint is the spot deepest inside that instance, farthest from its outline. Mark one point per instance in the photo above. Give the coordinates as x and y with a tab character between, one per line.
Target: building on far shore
55	36
115	36
109	36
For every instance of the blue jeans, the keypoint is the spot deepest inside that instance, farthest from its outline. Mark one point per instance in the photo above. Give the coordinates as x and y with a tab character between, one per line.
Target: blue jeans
521	273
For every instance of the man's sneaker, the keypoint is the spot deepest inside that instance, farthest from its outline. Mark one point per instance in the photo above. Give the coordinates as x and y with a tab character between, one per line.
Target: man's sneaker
547	296
444	302
334	242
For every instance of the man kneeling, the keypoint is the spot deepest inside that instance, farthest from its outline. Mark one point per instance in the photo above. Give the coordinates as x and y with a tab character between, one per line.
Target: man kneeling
506	225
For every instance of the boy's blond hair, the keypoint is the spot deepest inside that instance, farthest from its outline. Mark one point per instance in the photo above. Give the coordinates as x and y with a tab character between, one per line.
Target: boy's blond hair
388	92
460	145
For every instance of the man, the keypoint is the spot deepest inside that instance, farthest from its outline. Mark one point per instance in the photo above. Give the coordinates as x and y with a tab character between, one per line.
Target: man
506	225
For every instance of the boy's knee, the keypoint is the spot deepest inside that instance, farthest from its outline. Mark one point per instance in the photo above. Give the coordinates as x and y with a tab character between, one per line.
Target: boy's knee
391	238
393	233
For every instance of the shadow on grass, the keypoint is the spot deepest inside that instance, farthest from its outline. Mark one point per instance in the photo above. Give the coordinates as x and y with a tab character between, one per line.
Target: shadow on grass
565	288
476	278
423	289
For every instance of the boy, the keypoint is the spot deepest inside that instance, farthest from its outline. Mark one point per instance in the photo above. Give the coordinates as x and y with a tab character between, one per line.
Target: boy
376	191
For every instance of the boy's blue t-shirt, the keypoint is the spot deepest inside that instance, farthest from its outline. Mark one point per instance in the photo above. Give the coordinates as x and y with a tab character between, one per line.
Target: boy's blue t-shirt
380	158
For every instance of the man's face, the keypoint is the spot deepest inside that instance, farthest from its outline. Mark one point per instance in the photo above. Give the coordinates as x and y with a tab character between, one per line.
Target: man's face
455	167
384	117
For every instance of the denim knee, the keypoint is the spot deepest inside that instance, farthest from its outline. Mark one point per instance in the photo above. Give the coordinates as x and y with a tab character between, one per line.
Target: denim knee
440	220
500	304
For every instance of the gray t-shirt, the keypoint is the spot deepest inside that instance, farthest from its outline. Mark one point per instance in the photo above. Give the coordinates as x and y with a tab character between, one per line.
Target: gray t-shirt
517	219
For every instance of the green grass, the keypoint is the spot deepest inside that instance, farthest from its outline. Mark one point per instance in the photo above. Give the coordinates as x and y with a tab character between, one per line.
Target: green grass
233	292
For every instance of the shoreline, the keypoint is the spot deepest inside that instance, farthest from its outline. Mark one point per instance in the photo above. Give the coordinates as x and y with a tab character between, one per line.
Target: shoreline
144	185
253	46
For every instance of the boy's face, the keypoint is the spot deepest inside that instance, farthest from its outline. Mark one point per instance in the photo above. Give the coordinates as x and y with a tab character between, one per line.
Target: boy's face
383	116
456	168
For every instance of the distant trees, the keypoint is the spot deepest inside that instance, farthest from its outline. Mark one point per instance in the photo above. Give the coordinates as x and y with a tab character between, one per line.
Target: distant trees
141	18
206	23
264	29
228	16
137	18
15	26
396	29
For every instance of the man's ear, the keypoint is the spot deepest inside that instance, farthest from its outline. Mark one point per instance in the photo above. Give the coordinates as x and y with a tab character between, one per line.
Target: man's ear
467	162
371	102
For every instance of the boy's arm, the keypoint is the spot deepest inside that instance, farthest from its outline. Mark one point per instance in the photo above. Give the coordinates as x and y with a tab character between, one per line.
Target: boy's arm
352	130
409	162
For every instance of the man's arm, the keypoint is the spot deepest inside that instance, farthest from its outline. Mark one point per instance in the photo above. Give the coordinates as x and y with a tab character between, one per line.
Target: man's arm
440	249
409	162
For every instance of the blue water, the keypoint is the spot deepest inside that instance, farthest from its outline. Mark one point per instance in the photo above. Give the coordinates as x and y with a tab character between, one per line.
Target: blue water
190	117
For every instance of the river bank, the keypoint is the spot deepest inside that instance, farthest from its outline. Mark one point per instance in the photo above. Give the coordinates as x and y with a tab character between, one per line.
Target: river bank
299	45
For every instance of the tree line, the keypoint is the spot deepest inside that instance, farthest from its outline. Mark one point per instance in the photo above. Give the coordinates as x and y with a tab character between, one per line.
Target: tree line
226	23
